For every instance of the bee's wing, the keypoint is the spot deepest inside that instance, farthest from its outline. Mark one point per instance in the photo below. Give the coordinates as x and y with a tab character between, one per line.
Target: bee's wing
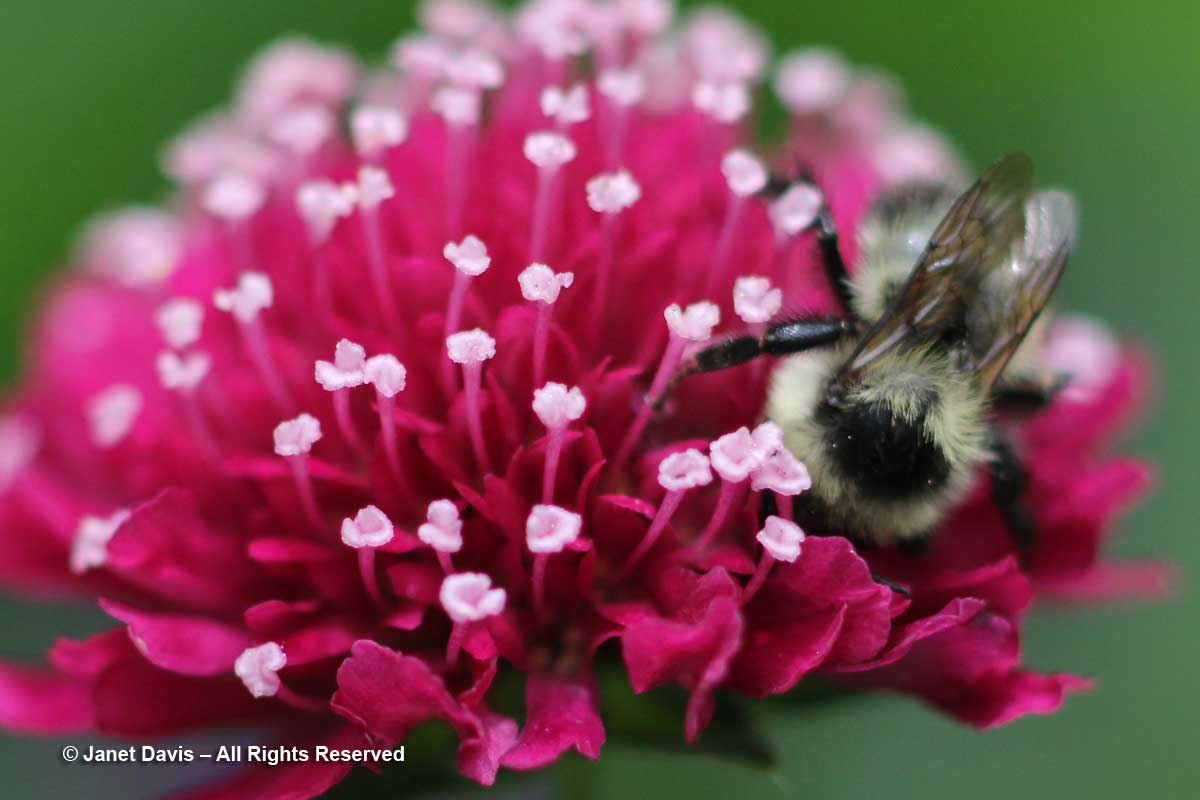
976	234
1036	264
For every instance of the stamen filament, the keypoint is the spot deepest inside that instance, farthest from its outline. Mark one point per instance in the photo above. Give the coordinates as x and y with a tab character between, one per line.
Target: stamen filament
728	499
663	516
254	339
341	411
472	386
304	488
759	577
666	367
377	262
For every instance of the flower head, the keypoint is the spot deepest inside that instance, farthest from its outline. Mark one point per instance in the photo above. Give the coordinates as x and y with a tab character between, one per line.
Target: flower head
432	541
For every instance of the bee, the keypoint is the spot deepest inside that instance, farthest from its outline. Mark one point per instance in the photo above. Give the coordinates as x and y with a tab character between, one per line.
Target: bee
896	405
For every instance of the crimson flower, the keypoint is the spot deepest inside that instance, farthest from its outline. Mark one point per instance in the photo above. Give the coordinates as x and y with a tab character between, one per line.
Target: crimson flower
356	423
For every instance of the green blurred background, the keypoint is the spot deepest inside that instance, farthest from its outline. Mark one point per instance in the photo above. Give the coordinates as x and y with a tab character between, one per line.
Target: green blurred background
1106	97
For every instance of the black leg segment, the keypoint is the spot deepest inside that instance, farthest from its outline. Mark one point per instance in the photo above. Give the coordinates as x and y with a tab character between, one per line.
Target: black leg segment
1009	480
781	338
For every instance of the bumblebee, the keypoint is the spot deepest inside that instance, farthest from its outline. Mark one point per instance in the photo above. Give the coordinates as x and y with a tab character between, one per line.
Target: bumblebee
894	405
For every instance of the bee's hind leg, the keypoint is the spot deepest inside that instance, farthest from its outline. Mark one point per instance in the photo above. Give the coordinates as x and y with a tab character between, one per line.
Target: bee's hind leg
1009	481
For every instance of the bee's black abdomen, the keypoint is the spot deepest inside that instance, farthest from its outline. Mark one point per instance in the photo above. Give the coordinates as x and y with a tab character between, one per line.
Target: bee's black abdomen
884	455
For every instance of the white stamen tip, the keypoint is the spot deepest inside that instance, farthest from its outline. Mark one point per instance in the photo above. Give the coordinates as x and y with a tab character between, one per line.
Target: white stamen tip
812	81
180	321
797	209
182	372
470	256
424	55
469	597
557	406
566	107
781	472
744	173
549	150
370	527
726	102
694	323
90	548
443	530
735	455
1084	350
374	186
768	437
258	668
253	293
322	204
296	436
386	374
722	47
20	440
549	529
540	283
376	128
303	129
233	196
346	369
470	347
134	247
457	106
475	68
781	538
686	469
914	153
112	412
623	87
613	192
754	300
